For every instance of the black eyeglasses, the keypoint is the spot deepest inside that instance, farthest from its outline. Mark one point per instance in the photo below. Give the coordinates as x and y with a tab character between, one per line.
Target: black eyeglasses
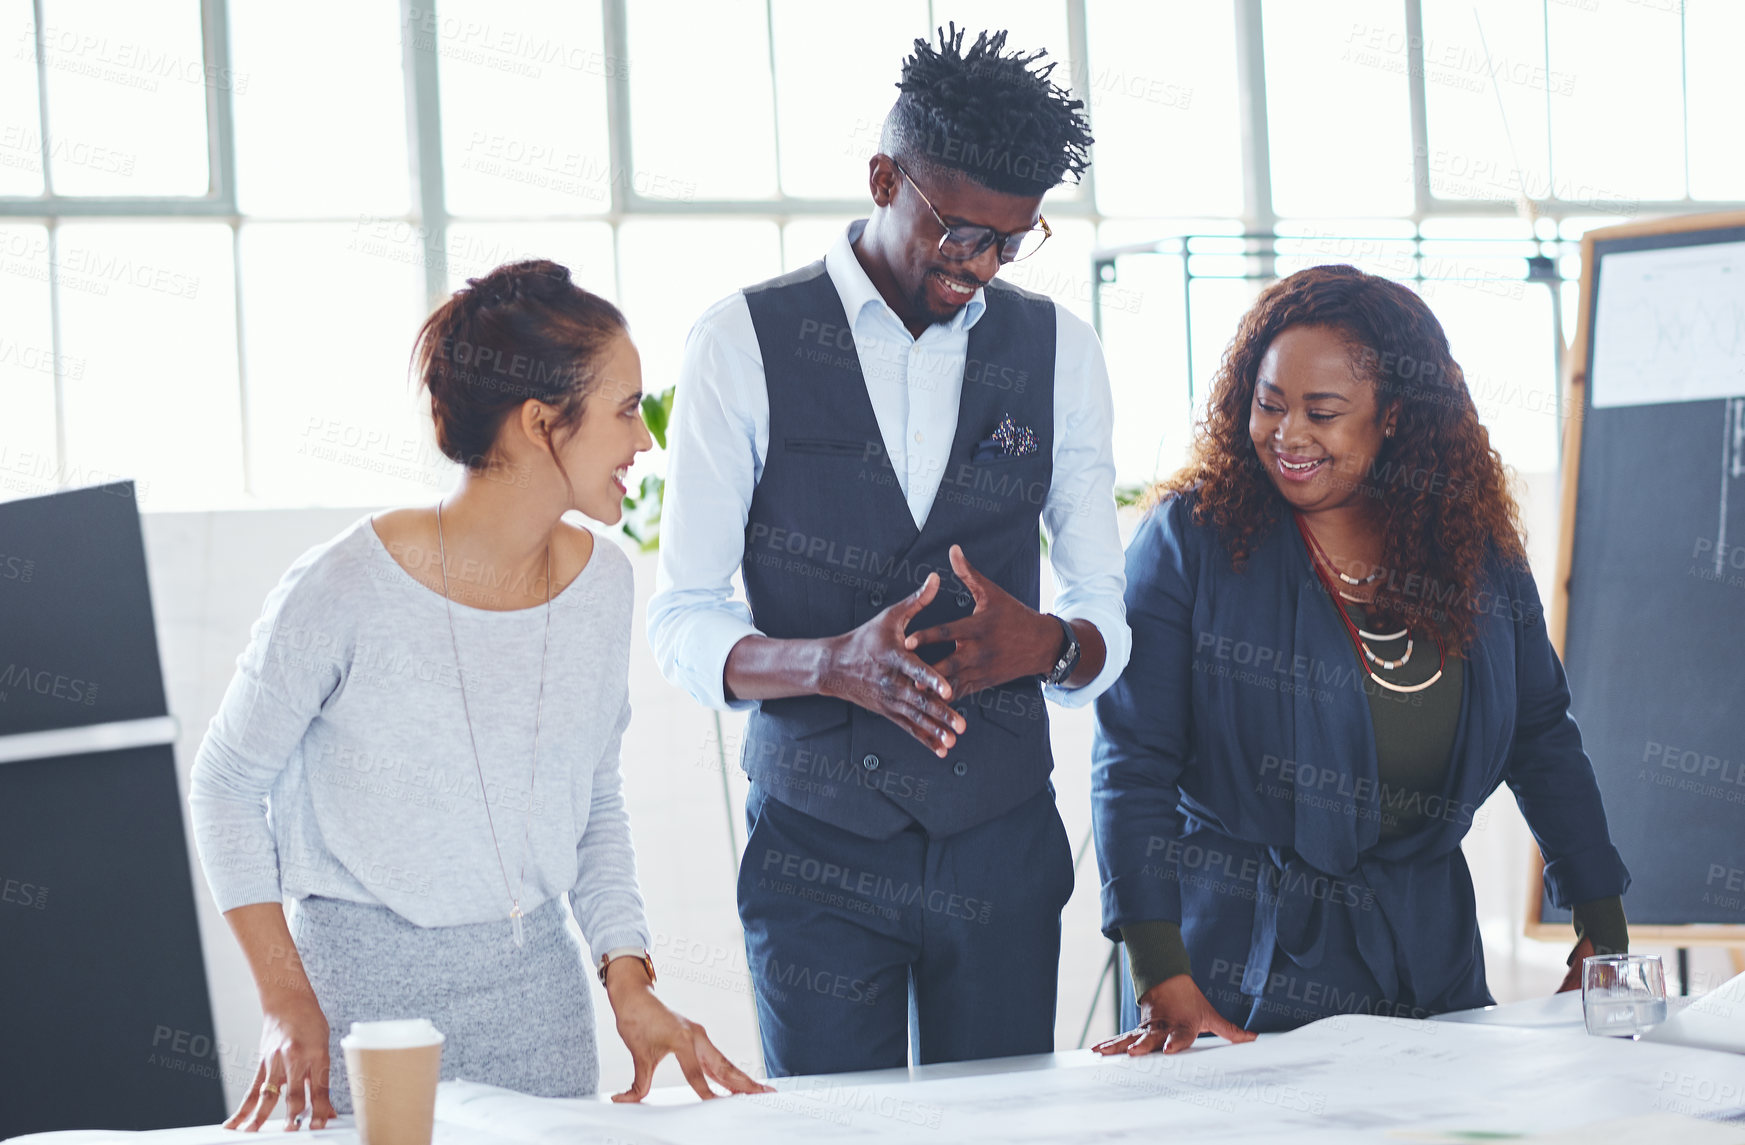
966	240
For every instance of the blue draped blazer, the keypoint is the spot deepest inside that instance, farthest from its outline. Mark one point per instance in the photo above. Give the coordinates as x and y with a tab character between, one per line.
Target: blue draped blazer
1235	786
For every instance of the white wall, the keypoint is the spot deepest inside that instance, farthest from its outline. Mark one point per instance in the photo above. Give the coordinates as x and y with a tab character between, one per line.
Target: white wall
210	573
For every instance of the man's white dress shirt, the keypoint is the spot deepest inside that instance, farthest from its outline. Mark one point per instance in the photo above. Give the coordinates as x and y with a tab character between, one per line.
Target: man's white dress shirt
719	437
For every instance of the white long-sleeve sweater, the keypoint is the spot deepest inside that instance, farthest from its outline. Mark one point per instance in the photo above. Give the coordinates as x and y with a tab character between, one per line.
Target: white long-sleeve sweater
339	762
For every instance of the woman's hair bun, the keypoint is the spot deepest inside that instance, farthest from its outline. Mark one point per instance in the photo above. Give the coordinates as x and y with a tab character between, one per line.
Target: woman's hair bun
531	278
525	330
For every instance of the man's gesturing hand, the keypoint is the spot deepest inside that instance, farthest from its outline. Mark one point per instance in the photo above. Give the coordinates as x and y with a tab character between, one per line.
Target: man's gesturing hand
872	667
1001	640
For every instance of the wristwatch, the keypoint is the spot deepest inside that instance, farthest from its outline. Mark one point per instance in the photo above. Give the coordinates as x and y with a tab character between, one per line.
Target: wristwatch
626	952
1068	659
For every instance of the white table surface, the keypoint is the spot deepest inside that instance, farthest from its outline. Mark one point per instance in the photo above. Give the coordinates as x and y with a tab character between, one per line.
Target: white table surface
1111	1093
1556	1012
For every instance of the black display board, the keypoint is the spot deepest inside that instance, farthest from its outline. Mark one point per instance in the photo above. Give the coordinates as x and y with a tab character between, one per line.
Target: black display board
105	1019
1650	601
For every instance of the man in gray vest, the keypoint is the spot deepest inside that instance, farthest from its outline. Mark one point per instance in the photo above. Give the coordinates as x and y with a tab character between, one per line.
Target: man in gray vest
873	442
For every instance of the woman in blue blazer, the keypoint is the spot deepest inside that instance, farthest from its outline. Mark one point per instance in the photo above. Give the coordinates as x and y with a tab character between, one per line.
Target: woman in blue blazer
1338	654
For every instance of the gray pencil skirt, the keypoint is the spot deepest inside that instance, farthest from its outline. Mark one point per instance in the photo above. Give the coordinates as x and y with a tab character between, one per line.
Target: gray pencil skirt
521	1018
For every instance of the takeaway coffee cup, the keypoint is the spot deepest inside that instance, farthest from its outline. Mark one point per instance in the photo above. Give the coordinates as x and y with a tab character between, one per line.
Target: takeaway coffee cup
393	1068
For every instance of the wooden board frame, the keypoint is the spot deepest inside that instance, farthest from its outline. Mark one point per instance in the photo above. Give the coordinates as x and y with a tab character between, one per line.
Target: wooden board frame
1575	400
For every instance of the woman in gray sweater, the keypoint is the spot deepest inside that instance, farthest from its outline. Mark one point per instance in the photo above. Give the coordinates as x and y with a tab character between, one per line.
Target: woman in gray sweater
420	746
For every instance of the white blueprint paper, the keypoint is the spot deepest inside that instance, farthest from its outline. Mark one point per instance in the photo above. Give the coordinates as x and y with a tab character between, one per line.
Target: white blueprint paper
1347	1079
1716	1021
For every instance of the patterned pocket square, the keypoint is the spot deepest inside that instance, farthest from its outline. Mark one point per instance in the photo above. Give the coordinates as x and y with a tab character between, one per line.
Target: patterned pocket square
1007	440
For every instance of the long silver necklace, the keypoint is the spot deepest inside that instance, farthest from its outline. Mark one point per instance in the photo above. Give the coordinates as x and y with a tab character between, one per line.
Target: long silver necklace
514	895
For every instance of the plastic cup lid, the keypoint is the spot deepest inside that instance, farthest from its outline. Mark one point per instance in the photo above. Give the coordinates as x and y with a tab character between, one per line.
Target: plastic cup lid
402	1033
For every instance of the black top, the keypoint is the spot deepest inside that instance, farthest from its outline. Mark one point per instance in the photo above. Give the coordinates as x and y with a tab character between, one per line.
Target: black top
1414	731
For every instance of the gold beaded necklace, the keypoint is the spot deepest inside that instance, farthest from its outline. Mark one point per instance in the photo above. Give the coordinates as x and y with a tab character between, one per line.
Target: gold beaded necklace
1366	655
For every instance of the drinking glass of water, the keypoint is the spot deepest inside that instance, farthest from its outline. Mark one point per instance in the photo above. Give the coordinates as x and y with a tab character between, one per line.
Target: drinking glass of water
1623	995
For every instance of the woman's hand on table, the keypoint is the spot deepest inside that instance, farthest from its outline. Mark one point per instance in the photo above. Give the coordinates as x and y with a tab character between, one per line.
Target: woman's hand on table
293	1055
651	1031
1572	980
1171	1015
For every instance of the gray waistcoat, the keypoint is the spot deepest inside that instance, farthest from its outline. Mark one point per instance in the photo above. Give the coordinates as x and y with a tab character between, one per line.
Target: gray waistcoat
829	542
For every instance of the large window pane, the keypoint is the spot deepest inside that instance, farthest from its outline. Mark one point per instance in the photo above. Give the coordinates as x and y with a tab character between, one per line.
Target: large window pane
1714	31
1033	25
806	240
1500	333
1218	307
1160	374
1376	246
833	91
1477	56
321	123
126	80
1145	344
702	114
329	314
524	107
1487	255
149	311
28	366
1062	268
586	248
1337	108
1616	137
1161	83
1127	232
671	271
20	125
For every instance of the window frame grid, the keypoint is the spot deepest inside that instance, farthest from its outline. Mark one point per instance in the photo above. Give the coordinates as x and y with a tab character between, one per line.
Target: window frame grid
430	215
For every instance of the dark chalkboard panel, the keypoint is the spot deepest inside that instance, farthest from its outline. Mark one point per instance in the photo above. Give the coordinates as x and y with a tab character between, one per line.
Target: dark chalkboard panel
1649	604
76	640
105	1019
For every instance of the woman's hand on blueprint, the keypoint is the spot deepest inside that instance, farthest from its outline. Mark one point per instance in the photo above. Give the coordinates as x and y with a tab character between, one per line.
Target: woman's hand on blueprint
1572	980
1171	1015
652	1031
293	1055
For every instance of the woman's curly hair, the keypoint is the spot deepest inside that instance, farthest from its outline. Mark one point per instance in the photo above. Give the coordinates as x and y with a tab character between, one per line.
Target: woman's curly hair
1437	490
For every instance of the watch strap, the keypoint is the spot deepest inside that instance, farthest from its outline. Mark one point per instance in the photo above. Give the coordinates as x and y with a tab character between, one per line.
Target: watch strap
636	952
1068	658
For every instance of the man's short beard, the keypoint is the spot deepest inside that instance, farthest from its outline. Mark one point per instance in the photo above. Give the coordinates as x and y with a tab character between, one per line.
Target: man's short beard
922	305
